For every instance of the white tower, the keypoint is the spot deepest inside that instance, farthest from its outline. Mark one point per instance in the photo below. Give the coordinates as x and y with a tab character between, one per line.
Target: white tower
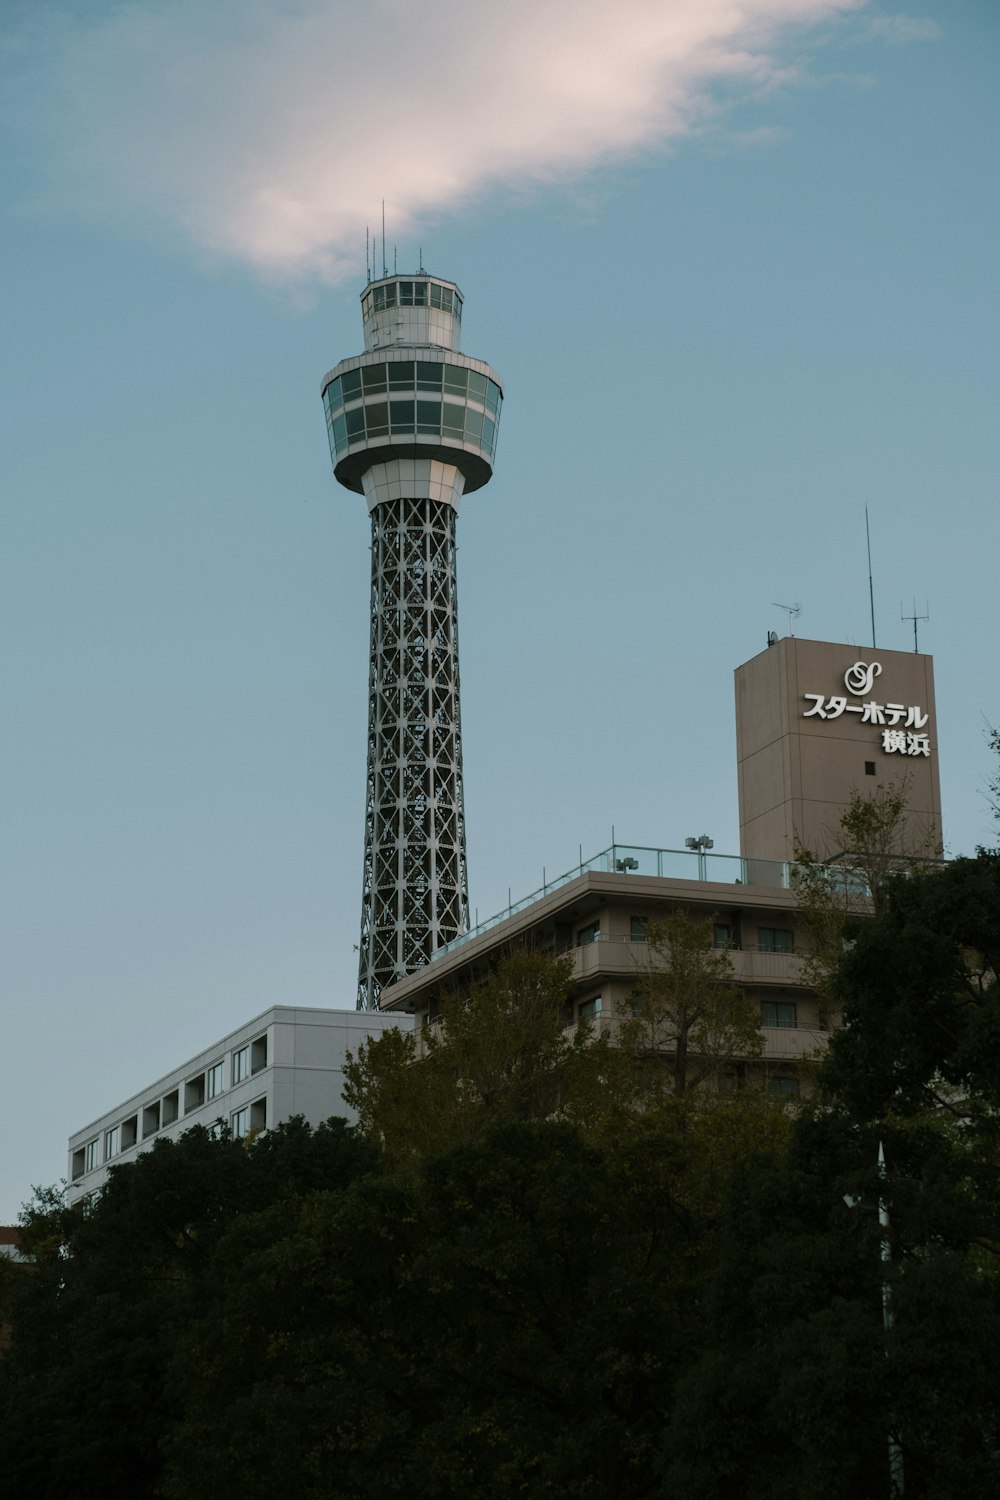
413	427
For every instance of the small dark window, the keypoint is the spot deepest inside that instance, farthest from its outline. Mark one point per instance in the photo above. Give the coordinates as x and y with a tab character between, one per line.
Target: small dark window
777	1013
373	378
351	384
722	935
429	375
783	1088
637	929
869	768
775	940
588	934
401	375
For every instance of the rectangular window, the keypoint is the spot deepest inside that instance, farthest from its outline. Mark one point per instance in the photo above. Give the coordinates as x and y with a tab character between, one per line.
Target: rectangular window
477	387
379	298
241	1064
194	1093
170	1108
454	420
92	1154
258	1114
339	433
869	768
428	375
589	1010
355	425
456	380
78	1163
130	1131
401	375
112	1142
258	1054
334	396
373	379
777	1013
377	418
722	935
214	1080
401	415
429	417
637	929
351	383
150	1119
239	1122
783	1088
589	934
774	940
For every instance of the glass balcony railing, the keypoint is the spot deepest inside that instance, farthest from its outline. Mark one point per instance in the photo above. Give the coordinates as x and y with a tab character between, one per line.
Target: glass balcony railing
630	859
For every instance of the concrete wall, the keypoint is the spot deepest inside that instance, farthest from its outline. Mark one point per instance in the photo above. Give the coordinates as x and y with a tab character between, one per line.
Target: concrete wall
808	737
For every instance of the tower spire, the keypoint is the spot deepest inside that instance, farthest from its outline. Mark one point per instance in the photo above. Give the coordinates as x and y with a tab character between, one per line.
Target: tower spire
412	425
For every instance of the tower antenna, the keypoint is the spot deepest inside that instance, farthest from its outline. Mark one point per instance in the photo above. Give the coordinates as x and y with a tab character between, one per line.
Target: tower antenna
385	268
368	274
792	611
393	260
915	617
871	590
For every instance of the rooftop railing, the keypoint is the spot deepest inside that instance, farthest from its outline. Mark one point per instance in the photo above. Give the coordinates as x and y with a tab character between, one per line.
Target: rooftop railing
632	859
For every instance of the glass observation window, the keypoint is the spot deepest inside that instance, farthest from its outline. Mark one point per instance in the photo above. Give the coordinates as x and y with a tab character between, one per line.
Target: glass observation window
454	419
777	1013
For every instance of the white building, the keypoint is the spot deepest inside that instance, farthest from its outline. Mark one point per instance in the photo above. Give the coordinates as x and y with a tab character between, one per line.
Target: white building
287	1061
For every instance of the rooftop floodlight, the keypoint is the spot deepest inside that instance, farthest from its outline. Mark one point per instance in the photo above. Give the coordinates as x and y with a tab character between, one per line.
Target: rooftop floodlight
701	843
628	863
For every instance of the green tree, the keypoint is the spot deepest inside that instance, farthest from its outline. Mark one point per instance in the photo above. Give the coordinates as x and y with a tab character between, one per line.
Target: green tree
687	1013
504	1051
84	1403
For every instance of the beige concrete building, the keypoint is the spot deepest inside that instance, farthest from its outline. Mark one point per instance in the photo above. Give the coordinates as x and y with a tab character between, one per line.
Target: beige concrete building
816	722
598	914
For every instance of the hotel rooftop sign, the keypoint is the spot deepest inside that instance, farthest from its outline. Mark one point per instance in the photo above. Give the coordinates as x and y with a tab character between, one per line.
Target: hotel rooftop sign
901	723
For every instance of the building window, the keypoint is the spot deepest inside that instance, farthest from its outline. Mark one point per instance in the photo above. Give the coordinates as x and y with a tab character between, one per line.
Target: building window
774	940
214	1080
589	1010
130	1132
150	1119
722	935
783	1088
170	1108
78	1163
589	934
637	929
112	1142
258	1114
869	768
239	1121
777	1013
241	1065
258	1054
92	1154
194	1093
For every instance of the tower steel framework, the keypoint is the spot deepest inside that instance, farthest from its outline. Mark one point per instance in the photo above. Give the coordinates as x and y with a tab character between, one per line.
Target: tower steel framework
412	426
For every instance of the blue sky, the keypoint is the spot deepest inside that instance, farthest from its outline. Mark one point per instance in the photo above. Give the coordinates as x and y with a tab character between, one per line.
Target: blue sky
737	267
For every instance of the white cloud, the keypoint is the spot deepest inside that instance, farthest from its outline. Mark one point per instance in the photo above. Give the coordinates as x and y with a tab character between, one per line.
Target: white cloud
270	130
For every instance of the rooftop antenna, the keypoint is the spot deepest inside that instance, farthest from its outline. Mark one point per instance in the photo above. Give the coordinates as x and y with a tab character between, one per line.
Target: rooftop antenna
368	274
915	617
393	260
792	611
421	266
385	268
871	590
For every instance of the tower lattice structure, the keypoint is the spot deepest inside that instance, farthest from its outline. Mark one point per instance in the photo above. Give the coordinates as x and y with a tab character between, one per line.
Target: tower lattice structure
413	426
